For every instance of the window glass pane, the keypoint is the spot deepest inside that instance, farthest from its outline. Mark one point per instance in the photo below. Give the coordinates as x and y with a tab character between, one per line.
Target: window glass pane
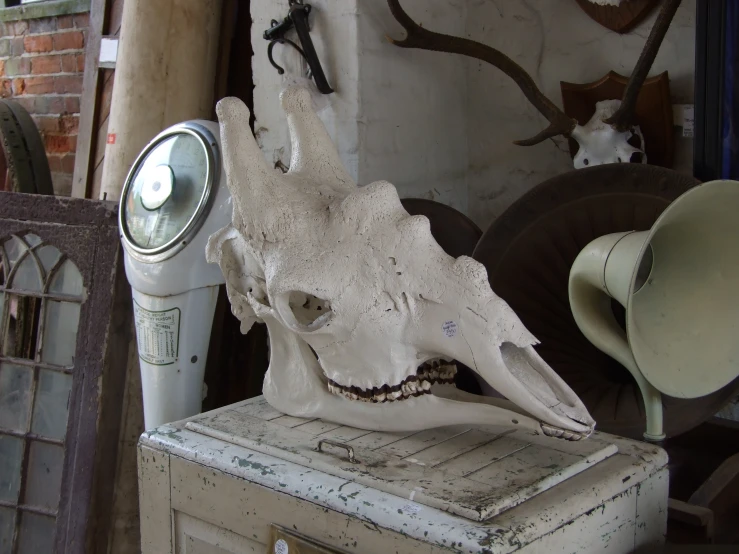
60	332
36	534
15	396
7	525
13	249
21	332
32	240
11	457
67	280
27	276
48	256
51	404
45	464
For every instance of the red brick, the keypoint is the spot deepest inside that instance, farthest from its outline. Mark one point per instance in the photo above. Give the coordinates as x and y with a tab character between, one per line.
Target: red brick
39	85
68	163
19	86
71	104
28	103
65	22
20	28
82	20
47	123
69	124
37	43
58	144
17	66
16	46
80	63
68	84
42	25
55	162
48	104
73	40
69	63
45	64
6	88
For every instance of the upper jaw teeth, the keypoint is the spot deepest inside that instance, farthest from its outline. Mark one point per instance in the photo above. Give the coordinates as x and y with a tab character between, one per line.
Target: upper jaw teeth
552	431
430	373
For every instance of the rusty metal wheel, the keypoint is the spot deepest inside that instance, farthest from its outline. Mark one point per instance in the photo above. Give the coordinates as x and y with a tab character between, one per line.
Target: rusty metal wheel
528	253
23	163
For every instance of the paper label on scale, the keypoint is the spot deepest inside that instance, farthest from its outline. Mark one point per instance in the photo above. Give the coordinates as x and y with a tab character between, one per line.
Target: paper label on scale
158	335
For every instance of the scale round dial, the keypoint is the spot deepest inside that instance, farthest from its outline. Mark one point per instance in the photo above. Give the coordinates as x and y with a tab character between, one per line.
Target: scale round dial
165	198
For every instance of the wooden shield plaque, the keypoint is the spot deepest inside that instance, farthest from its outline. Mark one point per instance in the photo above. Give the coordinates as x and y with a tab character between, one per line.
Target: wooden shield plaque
653	110
620	19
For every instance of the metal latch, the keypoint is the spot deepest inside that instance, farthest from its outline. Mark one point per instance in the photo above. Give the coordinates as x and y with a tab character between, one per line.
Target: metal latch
349	449
297	17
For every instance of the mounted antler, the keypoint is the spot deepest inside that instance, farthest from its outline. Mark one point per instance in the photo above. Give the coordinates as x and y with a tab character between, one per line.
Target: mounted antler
605	137
624	116
418	37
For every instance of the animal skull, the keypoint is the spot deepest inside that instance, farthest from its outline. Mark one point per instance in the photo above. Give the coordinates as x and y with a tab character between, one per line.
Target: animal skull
601	143
365	311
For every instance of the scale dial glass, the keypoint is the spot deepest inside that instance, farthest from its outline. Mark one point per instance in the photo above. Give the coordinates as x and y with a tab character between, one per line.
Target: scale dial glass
166	191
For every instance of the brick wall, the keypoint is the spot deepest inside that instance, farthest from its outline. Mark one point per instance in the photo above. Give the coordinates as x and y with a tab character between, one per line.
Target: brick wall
41	66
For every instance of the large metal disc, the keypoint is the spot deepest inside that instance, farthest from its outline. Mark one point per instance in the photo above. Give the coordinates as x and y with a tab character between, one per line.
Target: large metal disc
528	253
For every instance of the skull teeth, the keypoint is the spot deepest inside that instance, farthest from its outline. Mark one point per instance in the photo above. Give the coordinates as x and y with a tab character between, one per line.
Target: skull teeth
430	373
556	432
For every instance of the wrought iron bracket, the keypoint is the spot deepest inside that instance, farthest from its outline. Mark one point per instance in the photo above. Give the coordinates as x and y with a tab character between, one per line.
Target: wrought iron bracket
297	18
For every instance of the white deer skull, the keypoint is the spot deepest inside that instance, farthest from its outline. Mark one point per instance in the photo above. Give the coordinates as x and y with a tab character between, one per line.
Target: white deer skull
602	140
601	143
364	309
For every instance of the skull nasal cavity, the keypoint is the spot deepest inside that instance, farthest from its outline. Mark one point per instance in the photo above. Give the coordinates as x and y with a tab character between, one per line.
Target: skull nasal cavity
307	308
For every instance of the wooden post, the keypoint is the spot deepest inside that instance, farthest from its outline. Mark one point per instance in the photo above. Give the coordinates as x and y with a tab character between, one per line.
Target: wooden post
164	75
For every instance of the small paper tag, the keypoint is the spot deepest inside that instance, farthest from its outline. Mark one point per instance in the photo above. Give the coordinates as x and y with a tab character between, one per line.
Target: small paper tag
449	328
281	547
111	138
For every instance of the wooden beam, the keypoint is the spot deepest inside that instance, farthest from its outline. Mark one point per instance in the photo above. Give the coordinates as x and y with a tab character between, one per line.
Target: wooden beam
89	101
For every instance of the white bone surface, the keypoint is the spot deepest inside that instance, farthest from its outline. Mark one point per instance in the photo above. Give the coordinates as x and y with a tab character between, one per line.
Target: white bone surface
346	273
602	144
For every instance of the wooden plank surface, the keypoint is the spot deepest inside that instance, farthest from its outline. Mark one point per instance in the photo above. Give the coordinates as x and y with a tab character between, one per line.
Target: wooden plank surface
593	512
154	501
89	102
469	471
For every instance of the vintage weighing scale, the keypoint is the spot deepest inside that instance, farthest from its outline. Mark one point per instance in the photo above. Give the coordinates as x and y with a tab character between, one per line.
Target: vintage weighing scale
172	201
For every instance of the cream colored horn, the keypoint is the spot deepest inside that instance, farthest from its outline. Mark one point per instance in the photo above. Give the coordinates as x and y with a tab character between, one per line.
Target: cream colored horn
678	283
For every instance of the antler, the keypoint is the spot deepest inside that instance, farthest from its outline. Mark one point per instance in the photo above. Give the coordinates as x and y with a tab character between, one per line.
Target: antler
418	37
623	118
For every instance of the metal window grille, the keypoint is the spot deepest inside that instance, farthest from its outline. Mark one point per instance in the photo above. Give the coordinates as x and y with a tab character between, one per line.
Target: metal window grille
41	293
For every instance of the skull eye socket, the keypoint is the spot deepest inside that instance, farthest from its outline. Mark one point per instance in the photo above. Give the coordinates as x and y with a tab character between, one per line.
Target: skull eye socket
304	312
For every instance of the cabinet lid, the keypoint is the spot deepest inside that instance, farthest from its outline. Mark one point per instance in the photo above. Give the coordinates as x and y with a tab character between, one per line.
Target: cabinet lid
474	472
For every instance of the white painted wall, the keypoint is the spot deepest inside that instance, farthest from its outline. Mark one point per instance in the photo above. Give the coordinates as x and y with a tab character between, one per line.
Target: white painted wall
441	126
398	115
555	41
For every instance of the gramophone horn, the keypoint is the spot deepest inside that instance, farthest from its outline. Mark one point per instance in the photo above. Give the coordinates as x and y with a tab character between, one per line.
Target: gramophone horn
529	251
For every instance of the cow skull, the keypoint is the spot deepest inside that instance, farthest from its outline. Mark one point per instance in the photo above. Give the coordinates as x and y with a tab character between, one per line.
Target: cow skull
365	311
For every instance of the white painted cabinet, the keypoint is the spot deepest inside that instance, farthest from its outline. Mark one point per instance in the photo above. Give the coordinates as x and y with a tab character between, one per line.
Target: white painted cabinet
220	482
